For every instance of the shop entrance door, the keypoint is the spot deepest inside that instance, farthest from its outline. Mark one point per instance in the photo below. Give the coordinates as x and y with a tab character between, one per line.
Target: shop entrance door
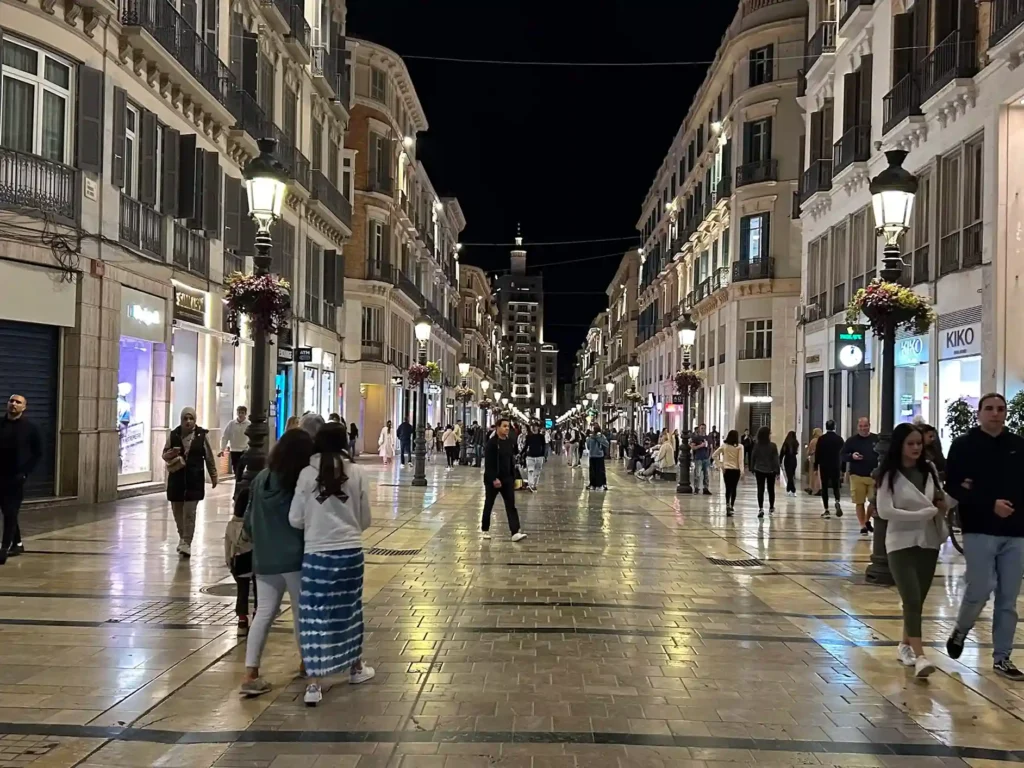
282	398
835	399
860	395
814	403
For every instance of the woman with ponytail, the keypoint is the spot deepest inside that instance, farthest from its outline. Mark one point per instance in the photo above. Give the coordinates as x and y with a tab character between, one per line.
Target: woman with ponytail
332	507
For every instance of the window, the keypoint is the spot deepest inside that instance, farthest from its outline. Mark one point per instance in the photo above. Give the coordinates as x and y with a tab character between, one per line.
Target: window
378	85
373	325
758	138
132	130
35	102
290	109
973	200
314	272
757	341
265	80
919	236
839	268
333	151
378	247
754	237
346	178
317	140
761	65
950	169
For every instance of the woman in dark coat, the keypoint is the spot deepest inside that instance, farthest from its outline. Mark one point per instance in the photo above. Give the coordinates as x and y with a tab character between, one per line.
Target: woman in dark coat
188	454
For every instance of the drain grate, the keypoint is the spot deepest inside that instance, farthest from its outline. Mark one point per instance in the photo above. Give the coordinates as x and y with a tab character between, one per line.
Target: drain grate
206	612
393	552
22	751
753	563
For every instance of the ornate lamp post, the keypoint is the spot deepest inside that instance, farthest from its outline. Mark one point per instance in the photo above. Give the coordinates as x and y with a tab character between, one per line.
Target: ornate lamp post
265	186
609	387
484	386
892	197
422	329
634	372
687	331
464	373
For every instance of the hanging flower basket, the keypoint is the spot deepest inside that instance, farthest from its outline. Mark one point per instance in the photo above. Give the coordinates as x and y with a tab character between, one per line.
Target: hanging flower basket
418	374
634	397
464	394
433	373
264	299
496	410
890	304
485	404
688	382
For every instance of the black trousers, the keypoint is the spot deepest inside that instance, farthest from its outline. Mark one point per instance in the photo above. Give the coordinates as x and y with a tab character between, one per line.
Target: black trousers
829	479
235	456
242	595
451	452
732	481
598	476
406	450
508	495
763	479
12	493
789	465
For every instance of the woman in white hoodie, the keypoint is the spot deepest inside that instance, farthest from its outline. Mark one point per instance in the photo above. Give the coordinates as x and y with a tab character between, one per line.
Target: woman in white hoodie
910	498
331	506
663	460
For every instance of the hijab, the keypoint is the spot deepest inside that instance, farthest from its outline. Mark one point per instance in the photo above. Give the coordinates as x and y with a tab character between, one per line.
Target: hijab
188	412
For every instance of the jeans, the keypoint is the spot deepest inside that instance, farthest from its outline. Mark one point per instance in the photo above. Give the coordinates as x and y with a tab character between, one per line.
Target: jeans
701	468
508	495
12	492
574	454
732	480
994	564
406	451
534	464
913	570
829	479
765	479
272	588
789	466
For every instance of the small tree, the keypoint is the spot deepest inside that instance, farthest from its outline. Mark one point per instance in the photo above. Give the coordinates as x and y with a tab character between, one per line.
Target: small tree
1015	413
960	417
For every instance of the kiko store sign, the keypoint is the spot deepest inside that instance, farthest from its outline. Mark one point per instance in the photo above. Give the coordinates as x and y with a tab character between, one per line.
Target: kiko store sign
962	341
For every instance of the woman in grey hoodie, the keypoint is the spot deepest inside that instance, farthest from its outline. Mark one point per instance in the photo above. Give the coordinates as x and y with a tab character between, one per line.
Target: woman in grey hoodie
276	546
764	461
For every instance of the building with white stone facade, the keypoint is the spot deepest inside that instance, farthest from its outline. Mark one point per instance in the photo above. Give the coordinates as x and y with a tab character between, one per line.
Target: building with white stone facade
719	241
126	127
939	79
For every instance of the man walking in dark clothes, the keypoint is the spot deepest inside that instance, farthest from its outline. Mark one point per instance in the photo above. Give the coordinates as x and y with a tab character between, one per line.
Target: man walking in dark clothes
828	462
20	451
500	478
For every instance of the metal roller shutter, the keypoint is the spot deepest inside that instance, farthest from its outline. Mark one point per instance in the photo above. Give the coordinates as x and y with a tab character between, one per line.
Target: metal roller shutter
28	366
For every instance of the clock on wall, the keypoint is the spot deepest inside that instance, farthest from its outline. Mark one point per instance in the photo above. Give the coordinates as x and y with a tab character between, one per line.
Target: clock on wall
850	346
851	356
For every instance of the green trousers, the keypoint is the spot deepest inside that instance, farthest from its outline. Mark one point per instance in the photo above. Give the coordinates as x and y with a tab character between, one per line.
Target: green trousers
913	570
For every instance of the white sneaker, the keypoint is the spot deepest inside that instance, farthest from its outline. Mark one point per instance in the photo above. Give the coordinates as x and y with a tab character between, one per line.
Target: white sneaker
365	673
181	543
923	667
185	549
487	535
313	695
518	536
906	655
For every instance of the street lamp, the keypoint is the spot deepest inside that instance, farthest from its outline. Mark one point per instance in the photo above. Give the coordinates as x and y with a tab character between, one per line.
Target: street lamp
609	387
892	197
422	329
484	386
464	372
687	331
265	186
634	372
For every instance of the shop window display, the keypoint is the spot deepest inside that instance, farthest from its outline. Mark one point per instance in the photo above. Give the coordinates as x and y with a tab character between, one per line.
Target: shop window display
959	378
134	405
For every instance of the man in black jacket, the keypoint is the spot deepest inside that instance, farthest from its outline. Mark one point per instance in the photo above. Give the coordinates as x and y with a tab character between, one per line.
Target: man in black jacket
827	462
404	434
20	451
861	459
534	448
985	474
500	478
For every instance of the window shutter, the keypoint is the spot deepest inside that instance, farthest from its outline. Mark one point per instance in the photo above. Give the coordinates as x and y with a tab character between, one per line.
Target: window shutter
147	157
211	194
725	246
189	178
967	23
90	119
922	24
827	122
247	225
745	238
120	115
816	126
385	234
235	47
864	92
727	159
339	294
902	40
766	235
211	9
250	64
169	169
769	64
232	213
766	150
748	147
330	259
190	13
849	101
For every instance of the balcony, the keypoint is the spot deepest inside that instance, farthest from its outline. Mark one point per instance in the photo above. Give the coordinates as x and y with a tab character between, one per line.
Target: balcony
33	183
408	287
384	273
372	351
1007	15
724	188
277	13
157	31
903	101
755	353
382	185
142	227
325	72
953	58
299	40
758	269
757	172
853	147
822	41
249	118
331	198
817	178
921	260
295	163
191	251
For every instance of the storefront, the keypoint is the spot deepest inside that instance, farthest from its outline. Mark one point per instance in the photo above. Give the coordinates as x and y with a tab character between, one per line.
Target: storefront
959	370
234	371
192	357
911	386
319	390
143	335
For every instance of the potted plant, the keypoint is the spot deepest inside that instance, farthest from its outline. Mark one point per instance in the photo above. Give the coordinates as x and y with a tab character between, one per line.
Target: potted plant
887	304
960	418
1015	413
264	299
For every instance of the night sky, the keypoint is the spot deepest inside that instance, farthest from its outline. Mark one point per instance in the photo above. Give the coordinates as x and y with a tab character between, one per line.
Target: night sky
568	151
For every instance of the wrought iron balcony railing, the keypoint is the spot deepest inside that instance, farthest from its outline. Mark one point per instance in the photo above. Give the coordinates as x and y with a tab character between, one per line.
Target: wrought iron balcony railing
142	227
37	184
757	269
1007	15
757	171
822	41
191	250
331	197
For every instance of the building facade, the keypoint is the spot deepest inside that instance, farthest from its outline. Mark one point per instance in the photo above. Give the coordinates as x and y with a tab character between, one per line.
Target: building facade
719	239
123	213
939	79
401	259
482	347
621	345
534	363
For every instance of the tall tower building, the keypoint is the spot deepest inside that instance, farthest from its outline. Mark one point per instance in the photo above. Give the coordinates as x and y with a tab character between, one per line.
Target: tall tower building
521	313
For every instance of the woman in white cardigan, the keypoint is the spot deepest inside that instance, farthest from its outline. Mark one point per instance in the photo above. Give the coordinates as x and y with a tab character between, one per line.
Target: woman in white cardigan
910	498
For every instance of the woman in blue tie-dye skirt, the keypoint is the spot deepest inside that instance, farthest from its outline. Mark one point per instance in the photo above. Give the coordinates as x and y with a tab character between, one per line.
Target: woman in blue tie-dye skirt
332	507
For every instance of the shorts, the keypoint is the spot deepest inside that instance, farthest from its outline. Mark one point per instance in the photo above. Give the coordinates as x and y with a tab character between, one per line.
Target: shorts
862	489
